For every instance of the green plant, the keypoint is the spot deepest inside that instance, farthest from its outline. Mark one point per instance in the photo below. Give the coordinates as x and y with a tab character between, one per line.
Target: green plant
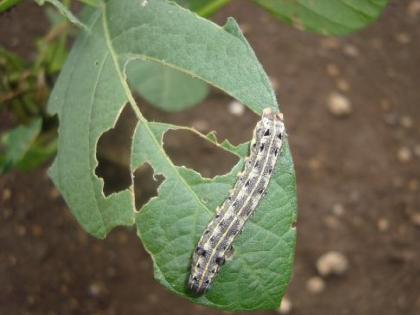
121	39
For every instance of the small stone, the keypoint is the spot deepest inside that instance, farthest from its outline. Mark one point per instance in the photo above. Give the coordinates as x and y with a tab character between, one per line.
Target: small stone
413	184
12	260
338	209
403	38
404	155
406	121
31	299
339	105
351	50
97	289
236	108
314	164
385	104
315	285
274	82
285	306
332	263
245	28
153	298
415	219
54	193
37	230
330	43
417	150
343	85
201	125
332	70
331	222
413	8
7	193
21	230
383	224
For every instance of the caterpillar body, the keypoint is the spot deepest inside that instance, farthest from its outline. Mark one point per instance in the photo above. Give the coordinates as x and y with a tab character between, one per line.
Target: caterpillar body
215	245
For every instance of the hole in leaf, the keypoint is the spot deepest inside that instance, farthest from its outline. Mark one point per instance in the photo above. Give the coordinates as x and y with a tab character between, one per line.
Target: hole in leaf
145	186
188	149
113	153
212	114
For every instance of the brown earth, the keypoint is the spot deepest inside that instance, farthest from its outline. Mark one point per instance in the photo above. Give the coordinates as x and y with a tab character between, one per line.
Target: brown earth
358	179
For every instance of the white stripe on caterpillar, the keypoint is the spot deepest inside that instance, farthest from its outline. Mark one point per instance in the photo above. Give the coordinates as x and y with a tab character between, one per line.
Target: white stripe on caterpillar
215	245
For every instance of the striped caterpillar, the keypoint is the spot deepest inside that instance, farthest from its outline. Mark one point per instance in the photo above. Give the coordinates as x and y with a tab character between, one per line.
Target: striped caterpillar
215	245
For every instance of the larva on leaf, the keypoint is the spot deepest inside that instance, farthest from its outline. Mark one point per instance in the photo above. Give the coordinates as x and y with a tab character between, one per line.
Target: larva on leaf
215	245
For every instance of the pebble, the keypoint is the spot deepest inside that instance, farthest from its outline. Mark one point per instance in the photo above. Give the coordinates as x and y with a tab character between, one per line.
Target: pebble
7	193
383	224
413	8
245	28
403	38
54	193
385	104
97	289
406	121
338	209
236	108
314	164
331	222
330	43
415	219
315	285
351	50
274	82
413	184
37	230
285	306
332	70
404	155
343	85
339	105
332	262
417	150
21	230
153	298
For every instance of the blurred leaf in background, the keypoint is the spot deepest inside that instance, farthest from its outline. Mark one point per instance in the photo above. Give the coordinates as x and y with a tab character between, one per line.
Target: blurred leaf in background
16	144
327	17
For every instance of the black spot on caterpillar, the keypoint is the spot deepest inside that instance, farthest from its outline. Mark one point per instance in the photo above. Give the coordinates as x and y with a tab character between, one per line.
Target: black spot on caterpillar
215	245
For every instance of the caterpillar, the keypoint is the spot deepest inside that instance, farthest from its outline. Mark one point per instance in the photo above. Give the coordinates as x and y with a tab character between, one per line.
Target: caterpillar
215	245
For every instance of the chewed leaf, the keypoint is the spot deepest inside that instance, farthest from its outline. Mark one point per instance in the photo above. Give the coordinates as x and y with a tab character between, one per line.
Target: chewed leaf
88	98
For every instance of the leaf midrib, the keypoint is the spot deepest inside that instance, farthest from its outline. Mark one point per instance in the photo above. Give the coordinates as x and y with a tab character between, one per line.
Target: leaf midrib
136	110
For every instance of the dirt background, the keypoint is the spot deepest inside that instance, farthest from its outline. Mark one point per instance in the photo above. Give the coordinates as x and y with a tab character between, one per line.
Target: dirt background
358	179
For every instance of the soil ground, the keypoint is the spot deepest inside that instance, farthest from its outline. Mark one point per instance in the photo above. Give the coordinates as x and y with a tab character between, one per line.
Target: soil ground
358	179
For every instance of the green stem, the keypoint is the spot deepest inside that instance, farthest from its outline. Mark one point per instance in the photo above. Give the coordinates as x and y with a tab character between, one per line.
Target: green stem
212	7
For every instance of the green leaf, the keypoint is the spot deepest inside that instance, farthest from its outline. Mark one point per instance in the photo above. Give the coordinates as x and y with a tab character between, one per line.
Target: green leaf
164	87
338	17
7	4
16	144
88	98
